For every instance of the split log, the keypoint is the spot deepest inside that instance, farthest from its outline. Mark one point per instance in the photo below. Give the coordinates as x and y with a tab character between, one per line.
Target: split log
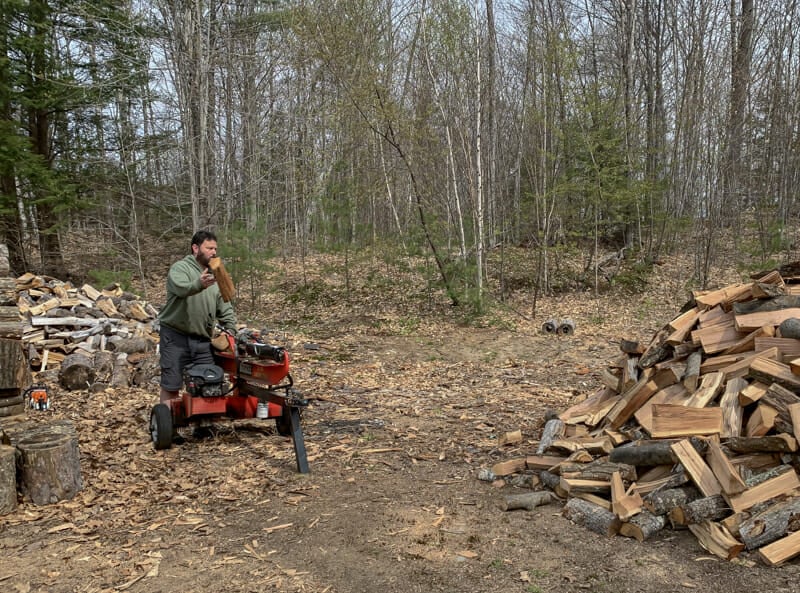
692	374
121	375
708	508
658	350
661	502
717	540
224	281
527	501
732	411
592	516
772	488
8	479
553	430
780	398
77	372
770	524
643	526
781	550
49	466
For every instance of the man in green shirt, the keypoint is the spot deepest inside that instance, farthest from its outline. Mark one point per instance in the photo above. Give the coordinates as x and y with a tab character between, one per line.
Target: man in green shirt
194	306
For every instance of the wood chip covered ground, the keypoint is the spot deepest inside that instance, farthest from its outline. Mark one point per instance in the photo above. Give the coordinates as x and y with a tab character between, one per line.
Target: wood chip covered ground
410	407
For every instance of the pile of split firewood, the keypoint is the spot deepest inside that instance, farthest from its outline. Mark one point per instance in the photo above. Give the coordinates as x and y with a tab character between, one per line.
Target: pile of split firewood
92	338
698	429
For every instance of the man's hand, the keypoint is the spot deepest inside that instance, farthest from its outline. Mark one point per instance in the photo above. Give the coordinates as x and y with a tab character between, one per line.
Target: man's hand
207	279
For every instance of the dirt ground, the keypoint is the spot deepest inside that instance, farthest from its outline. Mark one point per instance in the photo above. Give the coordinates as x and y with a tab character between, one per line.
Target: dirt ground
399	424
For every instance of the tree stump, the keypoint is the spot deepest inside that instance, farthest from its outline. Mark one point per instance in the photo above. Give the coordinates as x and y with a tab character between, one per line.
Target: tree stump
49	465
8	479
77	372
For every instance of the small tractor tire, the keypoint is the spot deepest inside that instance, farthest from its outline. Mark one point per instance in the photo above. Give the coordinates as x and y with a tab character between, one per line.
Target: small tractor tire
161	426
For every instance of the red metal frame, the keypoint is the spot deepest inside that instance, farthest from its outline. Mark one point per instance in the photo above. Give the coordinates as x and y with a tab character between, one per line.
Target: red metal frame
245	374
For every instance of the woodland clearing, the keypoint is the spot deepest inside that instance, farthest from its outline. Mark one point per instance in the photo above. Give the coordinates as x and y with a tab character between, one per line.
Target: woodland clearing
407	404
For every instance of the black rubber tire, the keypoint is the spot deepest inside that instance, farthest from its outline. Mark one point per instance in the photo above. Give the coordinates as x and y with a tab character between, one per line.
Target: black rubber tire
161	426
283	423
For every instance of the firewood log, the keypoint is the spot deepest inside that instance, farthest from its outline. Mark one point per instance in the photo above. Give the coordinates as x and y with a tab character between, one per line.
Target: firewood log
550	326
592	516
661	502
708	508
224	281
77	372
770	524
553	429
8	479
643	526
527	501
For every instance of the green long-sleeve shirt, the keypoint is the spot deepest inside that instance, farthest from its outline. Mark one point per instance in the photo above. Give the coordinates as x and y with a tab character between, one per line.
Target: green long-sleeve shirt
191	309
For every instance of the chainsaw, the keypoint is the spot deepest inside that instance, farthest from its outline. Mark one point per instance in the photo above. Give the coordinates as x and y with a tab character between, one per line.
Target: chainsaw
249	379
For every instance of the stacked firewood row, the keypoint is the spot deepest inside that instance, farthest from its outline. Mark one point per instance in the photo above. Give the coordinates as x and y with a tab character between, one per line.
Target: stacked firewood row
698	429
94	338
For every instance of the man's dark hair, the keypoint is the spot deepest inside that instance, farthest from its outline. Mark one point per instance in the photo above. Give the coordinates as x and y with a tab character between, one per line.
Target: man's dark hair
201	236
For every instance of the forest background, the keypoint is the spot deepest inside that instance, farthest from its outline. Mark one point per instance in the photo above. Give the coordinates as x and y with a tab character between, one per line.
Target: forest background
494	139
